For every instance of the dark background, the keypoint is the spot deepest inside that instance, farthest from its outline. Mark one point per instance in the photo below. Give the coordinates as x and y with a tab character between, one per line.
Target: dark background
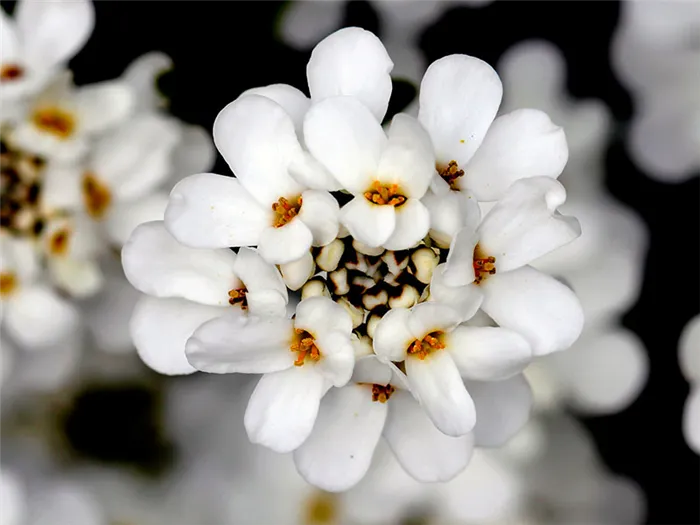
222	48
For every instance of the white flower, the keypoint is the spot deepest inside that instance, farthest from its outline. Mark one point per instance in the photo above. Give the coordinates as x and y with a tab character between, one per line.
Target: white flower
277	200
61	119
459	98
263	205
491	261
38	42
689	357
12	499
123	168
187	287
387	174
300	360
34	315
376	403
436	349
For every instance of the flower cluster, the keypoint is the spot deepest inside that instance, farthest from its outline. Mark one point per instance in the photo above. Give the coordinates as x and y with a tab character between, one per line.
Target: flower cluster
380	231
81	167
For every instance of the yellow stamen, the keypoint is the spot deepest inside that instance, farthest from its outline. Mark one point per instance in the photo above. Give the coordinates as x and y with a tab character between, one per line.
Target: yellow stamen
58	242
321	509
451	173
384	195
96	196
54	120
237	296
382	393
8	283
305	346
9	72
285	210
484	265
429	344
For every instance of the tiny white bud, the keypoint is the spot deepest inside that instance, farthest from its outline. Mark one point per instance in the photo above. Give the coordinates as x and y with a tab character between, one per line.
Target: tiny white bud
424	261
329	256
362	345
394	263
371	301
360	264
296	273
409	297
372	321
367	250
339	279
365	282
356	314
314	288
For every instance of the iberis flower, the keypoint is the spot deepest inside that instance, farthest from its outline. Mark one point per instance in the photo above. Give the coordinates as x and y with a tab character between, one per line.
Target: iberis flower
379	340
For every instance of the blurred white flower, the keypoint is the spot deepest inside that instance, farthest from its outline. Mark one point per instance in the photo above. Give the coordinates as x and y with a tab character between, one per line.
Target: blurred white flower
689	357
37	42
13	501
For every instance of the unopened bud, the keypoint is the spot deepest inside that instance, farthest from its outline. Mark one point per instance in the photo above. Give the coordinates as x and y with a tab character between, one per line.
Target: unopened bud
424	262
329	256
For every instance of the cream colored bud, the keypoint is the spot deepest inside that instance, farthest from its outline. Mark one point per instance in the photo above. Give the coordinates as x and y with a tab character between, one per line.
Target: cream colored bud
395	264
424	261
360	265
372	321
314	288
365	282
362	345
329	256
371	301
409	297
339	281
296	273
356	314
367	250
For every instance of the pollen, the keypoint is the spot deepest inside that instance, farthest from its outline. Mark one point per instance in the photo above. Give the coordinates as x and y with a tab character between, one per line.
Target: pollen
382	393
451	173
285	210
9	72
8	283
429	344
385	194
305	347
55	121
237	296
58	242
96	196
321	509
484	265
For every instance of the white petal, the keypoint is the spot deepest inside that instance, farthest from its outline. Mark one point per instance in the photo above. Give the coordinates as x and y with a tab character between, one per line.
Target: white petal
367	222
65	503
338	357
351	62
408	158
459	98
285	244
488	353
9	39
103	105
449	213
440	391
161	327
392	336
344	136
283	408
412	225
296	273
691	419
502	409
309	172
319	211
53	32
12	496
142	76
423	451
135	157
258	275
37	317
603	372
525	223
539	307
338	453
267	303
213	211
319	315
465	300
432	317
126	216
689	350
369	369
256	137
293	101
158	265
459	266
524	143
247	344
